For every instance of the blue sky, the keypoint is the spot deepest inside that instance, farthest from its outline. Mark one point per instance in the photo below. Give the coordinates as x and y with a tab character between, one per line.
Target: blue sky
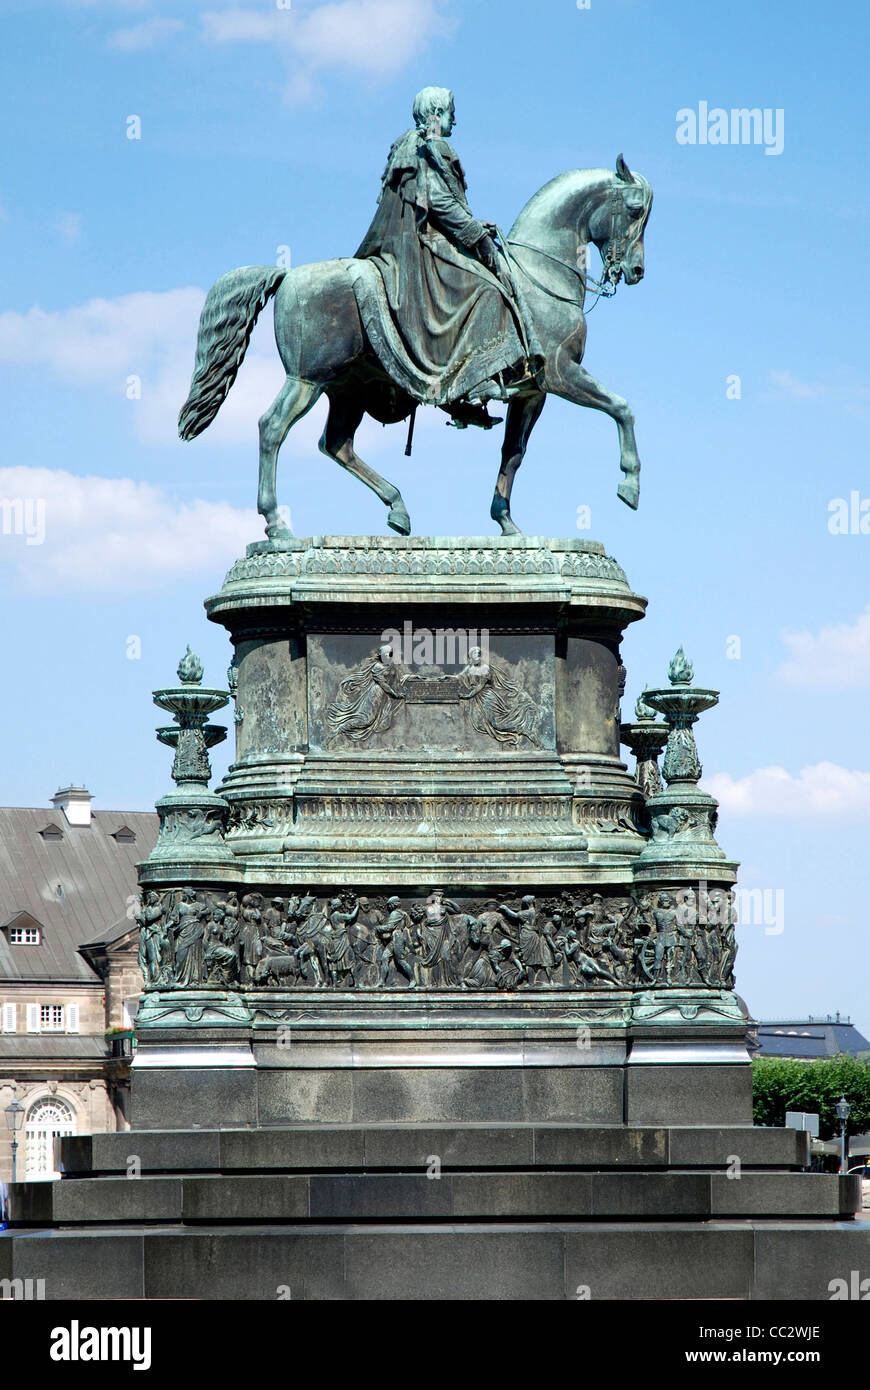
264	127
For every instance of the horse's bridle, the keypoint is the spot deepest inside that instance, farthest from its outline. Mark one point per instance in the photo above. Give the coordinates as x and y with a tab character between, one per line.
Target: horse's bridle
617	245
618	240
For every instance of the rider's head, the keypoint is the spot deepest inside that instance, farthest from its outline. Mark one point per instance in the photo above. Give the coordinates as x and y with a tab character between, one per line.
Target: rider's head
433	111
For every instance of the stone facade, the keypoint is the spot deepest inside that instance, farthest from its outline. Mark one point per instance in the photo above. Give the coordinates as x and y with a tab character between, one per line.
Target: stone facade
69	970
64	1098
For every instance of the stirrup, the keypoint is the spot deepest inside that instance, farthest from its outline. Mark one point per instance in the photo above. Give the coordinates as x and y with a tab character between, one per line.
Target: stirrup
464	414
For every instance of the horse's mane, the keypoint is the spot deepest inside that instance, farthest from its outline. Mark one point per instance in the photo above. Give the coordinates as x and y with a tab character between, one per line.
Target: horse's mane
571	182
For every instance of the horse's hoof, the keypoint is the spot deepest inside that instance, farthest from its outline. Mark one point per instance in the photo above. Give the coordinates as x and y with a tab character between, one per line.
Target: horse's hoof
399	520
629	491
506	522
500	513
280	537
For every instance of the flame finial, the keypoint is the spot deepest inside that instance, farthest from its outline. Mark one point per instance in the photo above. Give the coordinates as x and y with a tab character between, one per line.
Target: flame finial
190	669
641	709
681	671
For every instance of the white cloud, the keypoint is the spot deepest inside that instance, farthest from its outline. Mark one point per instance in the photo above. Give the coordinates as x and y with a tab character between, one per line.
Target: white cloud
823	790
98	345
835	658
113	534
799	390
102	337
246	26
68	225
373	37
105	4
147	34
151	336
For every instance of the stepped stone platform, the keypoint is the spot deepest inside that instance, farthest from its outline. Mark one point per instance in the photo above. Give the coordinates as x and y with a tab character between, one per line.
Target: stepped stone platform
447	1211
439	995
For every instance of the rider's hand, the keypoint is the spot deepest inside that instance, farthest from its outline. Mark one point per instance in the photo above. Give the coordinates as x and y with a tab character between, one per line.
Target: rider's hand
487	253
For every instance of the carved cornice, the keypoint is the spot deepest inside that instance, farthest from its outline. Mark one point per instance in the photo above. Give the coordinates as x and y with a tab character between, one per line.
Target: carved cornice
441	810
421	557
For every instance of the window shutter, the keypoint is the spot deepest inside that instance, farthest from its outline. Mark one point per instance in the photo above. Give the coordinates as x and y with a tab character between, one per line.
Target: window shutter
9	1021
33	1018
72	1018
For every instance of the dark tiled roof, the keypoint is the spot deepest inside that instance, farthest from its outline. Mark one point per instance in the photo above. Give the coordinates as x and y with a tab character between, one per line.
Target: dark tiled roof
114	933
35	1047
801	1038
76	887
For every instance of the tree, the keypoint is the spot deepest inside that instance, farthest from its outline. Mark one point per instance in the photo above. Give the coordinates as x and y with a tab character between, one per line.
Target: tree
783	1083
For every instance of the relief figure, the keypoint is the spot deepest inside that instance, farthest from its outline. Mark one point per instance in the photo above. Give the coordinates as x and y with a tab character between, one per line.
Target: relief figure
499	707
366	703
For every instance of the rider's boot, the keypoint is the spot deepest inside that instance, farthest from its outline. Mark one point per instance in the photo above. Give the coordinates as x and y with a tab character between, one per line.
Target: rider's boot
464	413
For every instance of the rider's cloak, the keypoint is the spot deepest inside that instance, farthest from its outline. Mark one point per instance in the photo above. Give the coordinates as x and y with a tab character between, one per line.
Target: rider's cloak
440	322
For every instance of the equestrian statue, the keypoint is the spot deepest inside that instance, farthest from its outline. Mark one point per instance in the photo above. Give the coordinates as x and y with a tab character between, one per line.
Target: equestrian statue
436	308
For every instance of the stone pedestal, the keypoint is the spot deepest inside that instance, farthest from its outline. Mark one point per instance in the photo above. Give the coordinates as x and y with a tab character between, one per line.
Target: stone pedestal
439	996
426	902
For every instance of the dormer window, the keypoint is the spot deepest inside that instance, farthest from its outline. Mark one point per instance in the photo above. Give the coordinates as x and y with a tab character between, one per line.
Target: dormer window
52	832
124	835
24	936
24	930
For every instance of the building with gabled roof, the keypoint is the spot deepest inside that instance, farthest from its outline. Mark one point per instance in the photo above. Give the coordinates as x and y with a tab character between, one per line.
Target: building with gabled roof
68	968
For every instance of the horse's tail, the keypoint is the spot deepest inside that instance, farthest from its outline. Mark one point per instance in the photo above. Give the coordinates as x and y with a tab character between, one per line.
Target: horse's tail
228	316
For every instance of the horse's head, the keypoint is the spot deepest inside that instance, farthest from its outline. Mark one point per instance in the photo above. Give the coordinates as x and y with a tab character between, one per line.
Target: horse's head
618	225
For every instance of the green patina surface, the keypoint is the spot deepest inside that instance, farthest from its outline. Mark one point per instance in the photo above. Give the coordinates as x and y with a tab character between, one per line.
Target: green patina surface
428	809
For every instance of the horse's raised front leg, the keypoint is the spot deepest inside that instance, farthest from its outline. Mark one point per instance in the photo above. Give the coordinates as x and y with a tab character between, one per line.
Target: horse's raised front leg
294	400
342	423
575	384
522	413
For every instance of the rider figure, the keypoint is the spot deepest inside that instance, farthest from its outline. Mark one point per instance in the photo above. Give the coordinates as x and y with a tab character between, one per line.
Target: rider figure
451	327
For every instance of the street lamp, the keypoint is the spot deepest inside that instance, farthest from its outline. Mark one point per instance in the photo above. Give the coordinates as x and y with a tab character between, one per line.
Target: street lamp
843	1108
14	1121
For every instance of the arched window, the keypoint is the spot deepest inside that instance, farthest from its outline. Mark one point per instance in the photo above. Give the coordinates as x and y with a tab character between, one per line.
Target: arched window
46	1119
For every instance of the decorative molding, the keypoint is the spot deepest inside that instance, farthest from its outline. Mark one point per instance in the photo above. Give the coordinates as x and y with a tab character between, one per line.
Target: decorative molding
589	566
474	811
270	817
608	816
447	561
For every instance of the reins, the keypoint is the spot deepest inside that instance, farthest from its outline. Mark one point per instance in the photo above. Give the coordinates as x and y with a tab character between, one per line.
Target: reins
602	289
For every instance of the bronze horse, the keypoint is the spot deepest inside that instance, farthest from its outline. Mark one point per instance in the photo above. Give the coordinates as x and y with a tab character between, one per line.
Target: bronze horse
324	348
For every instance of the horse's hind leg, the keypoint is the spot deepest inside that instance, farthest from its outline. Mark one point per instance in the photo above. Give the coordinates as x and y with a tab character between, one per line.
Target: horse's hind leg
522	413
294	400
342	423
